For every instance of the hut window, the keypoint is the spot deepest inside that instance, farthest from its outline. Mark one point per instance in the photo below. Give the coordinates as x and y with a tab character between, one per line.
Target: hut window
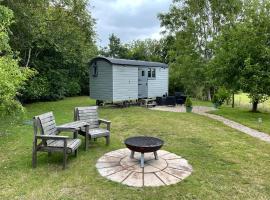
95	70
142	73
151	73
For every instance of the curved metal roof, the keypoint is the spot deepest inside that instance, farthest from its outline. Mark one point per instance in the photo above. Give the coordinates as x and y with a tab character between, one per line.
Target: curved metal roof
118	61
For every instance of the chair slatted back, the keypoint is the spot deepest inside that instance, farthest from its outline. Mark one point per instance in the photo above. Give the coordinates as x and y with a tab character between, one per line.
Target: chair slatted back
46	123
88	114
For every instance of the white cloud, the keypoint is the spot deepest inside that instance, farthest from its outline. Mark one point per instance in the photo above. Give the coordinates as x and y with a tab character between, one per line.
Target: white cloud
128	19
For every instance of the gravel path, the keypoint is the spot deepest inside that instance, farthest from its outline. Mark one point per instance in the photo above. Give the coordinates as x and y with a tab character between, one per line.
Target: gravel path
202	110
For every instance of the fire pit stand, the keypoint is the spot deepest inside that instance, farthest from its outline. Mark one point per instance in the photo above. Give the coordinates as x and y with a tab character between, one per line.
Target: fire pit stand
143	144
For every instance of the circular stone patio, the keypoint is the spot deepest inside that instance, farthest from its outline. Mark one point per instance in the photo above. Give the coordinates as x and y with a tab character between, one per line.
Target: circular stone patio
119	167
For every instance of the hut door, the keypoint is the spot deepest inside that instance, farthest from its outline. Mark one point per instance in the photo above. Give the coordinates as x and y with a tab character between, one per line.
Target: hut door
142	83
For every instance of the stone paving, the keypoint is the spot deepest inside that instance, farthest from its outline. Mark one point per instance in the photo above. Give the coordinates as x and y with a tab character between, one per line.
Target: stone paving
202	110
119	167
196	109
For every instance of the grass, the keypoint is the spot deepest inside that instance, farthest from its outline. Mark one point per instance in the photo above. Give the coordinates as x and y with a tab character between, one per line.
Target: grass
245	117
241	113
243	101
227	164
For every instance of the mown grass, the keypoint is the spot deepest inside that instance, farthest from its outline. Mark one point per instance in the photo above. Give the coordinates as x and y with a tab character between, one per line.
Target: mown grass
243	101
259	121
227	164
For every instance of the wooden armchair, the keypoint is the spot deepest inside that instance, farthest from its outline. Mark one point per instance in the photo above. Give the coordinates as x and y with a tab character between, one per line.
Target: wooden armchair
46	131
90	116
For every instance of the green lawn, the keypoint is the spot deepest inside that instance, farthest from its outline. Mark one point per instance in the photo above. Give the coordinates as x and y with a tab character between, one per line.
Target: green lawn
227	164
245	117
242	100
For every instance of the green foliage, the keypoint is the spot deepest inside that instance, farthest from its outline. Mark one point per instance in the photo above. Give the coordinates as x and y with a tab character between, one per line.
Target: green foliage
56	38
115	49
221	96
12	77
188	102
148	49
186	66
193	25
227	164
242	53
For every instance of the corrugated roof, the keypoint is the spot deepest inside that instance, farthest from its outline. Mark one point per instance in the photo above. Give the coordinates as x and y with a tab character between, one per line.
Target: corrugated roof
118	61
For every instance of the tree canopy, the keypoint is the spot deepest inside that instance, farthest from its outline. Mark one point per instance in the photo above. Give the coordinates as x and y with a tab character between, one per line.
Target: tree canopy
193	25
148	49
12	77
57	39
242	54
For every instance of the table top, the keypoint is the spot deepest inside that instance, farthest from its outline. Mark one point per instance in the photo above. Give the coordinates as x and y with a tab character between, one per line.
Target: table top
144	142
76	125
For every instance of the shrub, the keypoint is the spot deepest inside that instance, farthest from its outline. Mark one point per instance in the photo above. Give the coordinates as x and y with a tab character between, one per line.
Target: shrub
188	102
73	88
221	96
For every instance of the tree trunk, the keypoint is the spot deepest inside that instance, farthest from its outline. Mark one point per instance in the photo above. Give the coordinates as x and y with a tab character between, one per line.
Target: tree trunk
29	55
209	95
233	100
255	106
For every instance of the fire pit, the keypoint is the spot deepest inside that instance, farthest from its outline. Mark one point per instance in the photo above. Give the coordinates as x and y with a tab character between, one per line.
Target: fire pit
143	144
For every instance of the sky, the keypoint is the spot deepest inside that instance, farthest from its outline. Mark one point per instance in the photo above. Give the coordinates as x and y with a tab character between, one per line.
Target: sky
128	19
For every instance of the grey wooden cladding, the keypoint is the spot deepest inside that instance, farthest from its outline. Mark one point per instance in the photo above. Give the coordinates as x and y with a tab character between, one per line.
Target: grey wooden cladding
101	86
45	129
118	82
90	115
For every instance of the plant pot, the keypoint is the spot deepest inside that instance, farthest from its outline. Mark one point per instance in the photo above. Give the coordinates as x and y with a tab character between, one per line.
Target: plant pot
188	109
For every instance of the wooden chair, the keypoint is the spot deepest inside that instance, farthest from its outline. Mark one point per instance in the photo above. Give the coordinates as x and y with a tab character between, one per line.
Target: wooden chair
45	129
90	116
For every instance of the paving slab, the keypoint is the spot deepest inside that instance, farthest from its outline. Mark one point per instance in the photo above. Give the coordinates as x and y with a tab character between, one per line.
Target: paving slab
109	159
178	173
166	178
119	176
134	179
150	179
109	170
119	167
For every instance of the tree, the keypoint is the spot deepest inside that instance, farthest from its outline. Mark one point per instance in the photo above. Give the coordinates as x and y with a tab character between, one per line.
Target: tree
242	54
12	77
115	48
56	38
186	66
148	49
201	20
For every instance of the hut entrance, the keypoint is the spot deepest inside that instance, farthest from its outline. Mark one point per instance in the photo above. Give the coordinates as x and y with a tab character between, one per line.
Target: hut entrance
142	83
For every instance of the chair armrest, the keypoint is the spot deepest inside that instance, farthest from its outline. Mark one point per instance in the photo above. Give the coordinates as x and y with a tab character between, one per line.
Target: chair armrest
60	129
107	122
104	121
52	137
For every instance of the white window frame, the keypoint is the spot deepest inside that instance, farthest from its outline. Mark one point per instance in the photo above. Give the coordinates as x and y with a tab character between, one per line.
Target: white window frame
151	70
95	70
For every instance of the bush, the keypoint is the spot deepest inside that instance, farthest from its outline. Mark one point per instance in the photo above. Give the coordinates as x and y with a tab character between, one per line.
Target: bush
73	88
188	102
220	97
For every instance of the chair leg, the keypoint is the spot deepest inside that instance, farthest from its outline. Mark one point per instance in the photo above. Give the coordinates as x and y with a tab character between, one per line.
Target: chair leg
107	140
65	158
34	158
76	152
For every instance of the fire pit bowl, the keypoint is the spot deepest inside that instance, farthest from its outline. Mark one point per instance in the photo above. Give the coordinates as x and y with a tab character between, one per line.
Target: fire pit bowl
144	144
